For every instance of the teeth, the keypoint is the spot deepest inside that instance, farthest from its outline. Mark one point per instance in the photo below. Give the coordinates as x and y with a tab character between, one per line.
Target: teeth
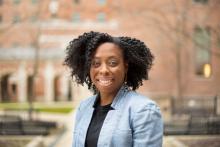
104	82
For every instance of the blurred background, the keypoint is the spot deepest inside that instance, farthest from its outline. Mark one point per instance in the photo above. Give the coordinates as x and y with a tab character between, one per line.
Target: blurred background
38	98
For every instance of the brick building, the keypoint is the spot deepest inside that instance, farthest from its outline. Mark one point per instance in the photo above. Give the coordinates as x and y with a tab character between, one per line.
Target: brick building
184	36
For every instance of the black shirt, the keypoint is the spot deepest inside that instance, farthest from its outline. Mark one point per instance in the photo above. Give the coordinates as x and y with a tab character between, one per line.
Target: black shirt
96	123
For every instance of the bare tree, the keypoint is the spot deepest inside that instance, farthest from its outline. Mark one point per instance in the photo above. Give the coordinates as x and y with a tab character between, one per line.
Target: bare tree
34	33
174	20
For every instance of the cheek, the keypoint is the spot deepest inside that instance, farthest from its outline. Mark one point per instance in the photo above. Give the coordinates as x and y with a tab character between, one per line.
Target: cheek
120	73
91	74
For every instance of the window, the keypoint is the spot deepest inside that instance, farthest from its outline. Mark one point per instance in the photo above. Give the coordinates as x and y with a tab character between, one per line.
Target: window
34	1
76	17
76	1
33	18
101	17
201	1
16	2
218	40
1	2
15	45
101	2
16	19
202	43
53	7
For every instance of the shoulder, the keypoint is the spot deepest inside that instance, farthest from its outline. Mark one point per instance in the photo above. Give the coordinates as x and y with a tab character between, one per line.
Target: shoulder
144	111
138	102
145	120
85	103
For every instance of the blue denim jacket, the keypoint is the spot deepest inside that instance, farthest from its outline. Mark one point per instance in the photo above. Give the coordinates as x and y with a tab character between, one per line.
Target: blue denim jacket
135	121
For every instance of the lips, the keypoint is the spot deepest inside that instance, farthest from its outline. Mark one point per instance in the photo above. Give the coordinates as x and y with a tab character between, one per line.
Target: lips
104	81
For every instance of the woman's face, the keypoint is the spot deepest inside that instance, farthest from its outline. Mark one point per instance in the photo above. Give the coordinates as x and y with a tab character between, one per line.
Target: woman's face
108	68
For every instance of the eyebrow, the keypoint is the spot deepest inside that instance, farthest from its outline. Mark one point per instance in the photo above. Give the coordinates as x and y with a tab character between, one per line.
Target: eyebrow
108	57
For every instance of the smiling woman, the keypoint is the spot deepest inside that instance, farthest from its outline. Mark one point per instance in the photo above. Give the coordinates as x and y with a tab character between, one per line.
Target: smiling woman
107	71
113	68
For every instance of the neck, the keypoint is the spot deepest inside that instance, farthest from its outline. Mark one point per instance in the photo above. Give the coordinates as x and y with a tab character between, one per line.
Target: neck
106	99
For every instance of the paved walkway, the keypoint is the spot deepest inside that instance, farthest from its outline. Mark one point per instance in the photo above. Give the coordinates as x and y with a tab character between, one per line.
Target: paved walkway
66	138
192	141
63	139
56	139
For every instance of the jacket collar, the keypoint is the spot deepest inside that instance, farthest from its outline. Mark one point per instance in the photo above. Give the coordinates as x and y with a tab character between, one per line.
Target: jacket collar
118	98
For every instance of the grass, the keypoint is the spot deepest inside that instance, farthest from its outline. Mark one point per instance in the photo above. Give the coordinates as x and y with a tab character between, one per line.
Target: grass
39	107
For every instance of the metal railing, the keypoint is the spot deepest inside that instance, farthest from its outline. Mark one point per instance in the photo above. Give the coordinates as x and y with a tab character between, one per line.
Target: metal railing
193	116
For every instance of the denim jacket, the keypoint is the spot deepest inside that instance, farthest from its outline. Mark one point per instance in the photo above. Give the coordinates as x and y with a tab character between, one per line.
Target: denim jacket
135	121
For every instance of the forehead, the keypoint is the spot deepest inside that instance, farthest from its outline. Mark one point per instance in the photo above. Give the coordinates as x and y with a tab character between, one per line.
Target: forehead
108	49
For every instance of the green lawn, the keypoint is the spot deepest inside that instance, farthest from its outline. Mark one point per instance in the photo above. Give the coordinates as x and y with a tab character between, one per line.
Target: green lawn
39	107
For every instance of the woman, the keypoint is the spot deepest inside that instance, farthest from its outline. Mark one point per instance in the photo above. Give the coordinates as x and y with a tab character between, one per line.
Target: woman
116	116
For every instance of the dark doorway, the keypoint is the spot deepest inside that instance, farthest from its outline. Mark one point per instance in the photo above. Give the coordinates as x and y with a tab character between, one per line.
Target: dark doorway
5	88
69	95
56	88
30	87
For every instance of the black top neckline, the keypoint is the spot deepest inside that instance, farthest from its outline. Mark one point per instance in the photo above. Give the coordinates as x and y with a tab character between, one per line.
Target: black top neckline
98	117
97	104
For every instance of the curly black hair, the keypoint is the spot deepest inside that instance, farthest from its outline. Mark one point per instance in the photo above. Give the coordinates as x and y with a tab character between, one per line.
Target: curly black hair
136	54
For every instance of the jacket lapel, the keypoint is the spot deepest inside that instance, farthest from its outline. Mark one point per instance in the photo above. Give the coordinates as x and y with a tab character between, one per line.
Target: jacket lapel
112	118
86	118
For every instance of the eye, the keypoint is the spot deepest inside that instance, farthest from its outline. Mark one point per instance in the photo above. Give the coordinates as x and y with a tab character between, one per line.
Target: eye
95	64
113	63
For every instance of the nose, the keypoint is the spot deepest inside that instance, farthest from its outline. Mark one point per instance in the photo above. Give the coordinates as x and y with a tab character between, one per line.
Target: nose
104	69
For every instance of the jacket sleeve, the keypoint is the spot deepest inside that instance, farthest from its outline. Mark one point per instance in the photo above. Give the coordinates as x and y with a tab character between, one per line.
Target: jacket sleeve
78	111
76	119
147	127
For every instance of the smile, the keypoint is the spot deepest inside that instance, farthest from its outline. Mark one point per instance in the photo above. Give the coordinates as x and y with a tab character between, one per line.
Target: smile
104	82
